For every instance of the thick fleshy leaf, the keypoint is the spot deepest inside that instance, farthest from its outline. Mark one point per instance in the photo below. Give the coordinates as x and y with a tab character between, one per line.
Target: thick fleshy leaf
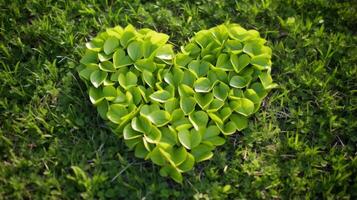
220	91
109	92
259	89
140	150
165	52
161	96
98	77
145	64
202	152
203	85
215	105
102	108
243	106
128	80
239	81
203	100
128	35
198	119
187	104
156	156
261	61
199	68
120	59
95	95
135	50
188	164
252	95
89	57
169	136
182	59
228	128
240	121
153	136
171	172
141	124
223	62
116	112
189	139
107	66
211	135
110	45
129	133
159	117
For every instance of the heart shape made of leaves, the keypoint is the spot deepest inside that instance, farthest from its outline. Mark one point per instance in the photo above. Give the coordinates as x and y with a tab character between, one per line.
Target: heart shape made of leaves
174	109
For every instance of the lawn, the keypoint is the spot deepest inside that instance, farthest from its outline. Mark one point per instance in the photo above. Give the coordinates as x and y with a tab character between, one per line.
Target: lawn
302	143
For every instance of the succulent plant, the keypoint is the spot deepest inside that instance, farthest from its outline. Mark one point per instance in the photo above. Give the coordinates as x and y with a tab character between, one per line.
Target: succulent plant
175	108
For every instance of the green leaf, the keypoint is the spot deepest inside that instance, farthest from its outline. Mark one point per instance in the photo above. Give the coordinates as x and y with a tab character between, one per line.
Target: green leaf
243	106
172	172
110	45
89	57
189	139
223	62
261	61
202	152
157	157
259	89
95	95
242	62
109	92
141	124
116	112
199	68
153	136
239	81
161	96
98	77
203	85
215	105
87	71
147	109
240	121
140	150
148	78
104	57
135	51
225	112
129	133
185	90
252	95
165	52
107	66
203	100
187	104
233	46
159	117
198	119
266	79
120	59
211	135
188	164
145	64
128	80
128	35
220	91
228	128
102	108
169	136
182	59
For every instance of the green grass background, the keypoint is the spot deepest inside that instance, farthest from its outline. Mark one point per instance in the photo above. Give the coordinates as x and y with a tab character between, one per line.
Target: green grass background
301	144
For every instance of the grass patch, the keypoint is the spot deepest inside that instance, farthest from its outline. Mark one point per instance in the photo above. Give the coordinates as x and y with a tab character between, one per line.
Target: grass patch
301	143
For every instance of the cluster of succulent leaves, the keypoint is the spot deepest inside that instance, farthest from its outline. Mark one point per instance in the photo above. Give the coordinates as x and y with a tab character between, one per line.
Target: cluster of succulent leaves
174	109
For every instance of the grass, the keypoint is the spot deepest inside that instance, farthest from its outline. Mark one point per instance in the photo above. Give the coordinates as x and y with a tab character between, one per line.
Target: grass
301	144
